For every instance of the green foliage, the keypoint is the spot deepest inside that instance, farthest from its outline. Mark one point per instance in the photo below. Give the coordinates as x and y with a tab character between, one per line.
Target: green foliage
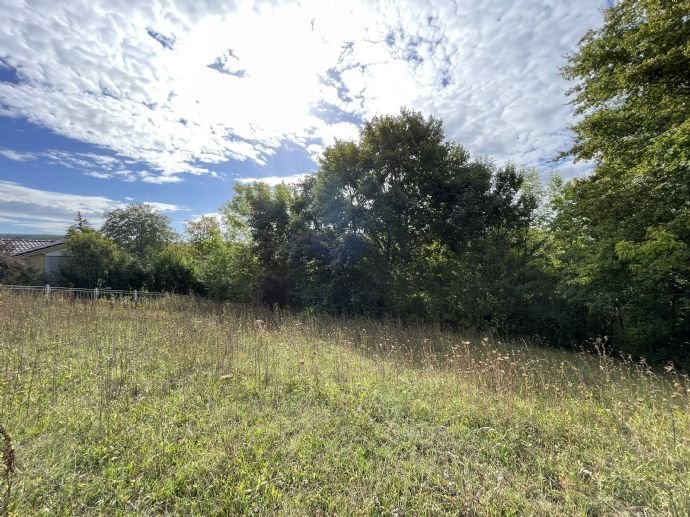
229	271
399	223
93	260
15	271
225	268
174	270
632	84
658	270
203	234
130	272
92	257
623	230
80	223
404	223
138	229
385	187
265	212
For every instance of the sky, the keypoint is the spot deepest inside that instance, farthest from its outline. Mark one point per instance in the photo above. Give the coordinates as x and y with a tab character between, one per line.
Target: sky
171	102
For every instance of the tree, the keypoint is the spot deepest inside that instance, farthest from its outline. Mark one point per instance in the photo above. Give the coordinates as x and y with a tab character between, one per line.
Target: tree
91	259
384	186
633	80
224	269
203	233
14	270
173	270
402	196
265	211
229	271
138	229
80	223
629	219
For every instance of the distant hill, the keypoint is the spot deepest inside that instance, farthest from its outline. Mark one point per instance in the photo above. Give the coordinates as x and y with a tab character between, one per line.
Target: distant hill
32	236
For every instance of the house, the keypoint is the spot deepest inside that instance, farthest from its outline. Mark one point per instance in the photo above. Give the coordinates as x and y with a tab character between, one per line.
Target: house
46	256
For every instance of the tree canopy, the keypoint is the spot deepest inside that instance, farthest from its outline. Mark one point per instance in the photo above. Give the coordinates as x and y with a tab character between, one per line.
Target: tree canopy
389	225
626	227
632	84
138	228
92	257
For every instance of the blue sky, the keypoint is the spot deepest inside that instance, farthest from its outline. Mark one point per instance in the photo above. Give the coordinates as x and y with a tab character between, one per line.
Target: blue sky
171	102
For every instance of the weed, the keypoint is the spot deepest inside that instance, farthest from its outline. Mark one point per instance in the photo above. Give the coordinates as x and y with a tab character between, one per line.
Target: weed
8	469
187	406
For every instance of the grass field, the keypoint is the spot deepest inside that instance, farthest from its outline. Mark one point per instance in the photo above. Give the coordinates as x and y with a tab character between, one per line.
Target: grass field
192	408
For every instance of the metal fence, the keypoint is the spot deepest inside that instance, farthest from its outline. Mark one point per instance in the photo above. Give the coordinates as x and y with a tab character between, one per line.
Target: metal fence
80	293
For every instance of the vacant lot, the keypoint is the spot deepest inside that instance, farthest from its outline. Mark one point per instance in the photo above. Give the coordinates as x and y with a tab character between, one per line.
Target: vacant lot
176	406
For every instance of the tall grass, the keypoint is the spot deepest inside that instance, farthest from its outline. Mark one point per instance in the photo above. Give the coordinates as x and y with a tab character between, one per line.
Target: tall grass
181	406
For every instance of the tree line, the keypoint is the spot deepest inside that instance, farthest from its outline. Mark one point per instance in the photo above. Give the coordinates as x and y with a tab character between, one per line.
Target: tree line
405	223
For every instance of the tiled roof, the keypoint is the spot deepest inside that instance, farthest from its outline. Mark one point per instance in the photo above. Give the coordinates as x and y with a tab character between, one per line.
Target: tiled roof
15	246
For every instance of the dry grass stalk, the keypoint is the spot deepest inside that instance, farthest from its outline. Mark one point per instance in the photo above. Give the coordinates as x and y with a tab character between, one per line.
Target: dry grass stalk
9	469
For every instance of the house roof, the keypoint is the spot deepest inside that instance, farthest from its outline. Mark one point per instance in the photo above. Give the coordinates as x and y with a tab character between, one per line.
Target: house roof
27	246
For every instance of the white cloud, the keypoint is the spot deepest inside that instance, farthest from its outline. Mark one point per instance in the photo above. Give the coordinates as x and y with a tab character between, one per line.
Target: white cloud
276	180
134	77
165	207
39	225
16	155
158	179
101	166
99	175
217	216
84	161
53	211
213	215
489	70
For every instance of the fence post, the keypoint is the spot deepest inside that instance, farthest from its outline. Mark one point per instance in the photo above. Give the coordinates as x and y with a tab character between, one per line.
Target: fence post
136	296
95	294
47	290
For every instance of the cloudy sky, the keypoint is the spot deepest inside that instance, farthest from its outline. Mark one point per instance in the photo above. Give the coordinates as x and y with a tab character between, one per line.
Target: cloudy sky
105	102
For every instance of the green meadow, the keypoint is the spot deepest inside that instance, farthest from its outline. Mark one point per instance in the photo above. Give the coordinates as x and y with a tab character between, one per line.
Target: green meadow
189	407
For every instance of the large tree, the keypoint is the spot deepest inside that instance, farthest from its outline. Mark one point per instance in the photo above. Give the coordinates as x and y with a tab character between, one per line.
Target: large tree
404	196
263	213
400	222
138	228
203	233
632	86
626	227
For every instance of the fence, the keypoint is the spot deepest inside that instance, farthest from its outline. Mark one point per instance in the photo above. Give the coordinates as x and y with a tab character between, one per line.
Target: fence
80	293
